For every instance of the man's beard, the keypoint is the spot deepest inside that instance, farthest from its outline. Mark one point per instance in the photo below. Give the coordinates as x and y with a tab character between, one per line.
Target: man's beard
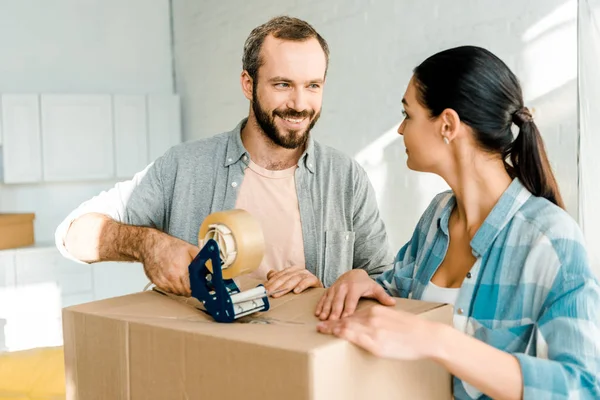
294	138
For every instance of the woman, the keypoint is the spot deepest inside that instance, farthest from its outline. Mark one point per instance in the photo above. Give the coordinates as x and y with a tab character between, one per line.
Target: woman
498	246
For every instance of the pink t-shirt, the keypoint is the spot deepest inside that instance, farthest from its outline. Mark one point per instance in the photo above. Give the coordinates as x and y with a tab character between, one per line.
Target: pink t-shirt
270	196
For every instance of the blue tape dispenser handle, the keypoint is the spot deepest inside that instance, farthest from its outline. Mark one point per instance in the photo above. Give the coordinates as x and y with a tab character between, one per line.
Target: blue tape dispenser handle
230	239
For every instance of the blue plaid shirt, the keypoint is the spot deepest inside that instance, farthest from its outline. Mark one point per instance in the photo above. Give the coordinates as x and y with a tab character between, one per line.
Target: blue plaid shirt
531	291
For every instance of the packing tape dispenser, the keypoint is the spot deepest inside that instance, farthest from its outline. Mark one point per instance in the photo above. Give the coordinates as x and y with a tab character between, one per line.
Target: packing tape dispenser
231	244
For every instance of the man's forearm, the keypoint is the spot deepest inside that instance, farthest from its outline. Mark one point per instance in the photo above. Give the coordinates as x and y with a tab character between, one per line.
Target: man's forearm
96	237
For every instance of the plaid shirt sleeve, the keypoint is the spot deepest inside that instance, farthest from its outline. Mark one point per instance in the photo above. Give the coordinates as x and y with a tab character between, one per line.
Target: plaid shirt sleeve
397	281
568	334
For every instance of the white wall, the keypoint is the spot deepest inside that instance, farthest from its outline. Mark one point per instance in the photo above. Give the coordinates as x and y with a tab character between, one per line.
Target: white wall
589	101
74	46
374	46
70	46
94	46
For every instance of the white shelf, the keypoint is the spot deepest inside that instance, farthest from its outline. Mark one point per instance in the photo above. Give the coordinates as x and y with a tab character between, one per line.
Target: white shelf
34	247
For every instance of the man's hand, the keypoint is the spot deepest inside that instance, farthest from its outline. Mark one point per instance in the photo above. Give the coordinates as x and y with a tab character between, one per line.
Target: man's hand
96	237
296	279
166	260
341	299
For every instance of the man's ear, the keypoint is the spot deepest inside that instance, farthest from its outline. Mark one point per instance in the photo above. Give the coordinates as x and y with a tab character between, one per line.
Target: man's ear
247	85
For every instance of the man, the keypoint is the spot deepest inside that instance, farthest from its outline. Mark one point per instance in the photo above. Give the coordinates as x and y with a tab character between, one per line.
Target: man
315	205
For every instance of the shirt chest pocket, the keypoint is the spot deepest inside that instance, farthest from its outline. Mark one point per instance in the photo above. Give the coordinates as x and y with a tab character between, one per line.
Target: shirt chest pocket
404	280
339	255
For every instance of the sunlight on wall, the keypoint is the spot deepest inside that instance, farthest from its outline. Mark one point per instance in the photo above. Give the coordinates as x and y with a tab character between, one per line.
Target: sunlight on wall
371	158
565	13
402	194
547	69
550	54
548	73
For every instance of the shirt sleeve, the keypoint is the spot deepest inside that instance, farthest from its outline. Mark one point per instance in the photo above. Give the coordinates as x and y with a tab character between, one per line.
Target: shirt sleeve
371	246
387	278
137	201
398	280
567	365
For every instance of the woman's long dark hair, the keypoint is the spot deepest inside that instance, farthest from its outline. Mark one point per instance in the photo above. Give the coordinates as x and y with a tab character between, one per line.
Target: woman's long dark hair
487	96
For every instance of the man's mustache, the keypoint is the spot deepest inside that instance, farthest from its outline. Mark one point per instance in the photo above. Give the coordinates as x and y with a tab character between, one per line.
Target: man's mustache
289	113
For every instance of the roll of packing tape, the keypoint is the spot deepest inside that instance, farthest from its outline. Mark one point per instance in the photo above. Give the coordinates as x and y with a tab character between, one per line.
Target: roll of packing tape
240	239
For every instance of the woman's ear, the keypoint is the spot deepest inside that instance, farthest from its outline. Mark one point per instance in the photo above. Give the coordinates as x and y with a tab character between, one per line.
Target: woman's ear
450	124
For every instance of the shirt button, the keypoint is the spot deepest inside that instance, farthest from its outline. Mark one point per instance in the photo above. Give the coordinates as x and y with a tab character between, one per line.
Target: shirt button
468	275
460	311
229	160
234	184
245	158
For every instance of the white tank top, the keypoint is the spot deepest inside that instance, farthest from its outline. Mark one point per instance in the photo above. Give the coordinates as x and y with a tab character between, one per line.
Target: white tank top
436	294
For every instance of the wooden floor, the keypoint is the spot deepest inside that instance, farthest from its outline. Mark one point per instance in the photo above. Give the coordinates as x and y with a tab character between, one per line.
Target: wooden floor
36	374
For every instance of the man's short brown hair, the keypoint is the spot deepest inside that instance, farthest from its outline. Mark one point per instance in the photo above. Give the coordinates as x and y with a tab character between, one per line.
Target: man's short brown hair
283	27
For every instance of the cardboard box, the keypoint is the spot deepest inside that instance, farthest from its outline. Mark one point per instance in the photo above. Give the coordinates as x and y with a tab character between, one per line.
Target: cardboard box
152	346
16	230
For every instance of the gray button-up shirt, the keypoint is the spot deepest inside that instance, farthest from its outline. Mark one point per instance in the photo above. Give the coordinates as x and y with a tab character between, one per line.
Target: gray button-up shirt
341	225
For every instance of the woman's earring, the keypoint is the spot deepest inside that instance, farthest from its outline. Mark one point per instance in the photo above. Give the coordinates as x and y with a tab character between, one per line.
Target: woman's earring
446	140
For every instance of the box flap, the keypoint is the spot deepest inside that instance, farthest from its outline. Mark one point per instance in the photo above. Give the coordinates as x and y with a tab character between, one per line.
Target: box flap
291	315
299	309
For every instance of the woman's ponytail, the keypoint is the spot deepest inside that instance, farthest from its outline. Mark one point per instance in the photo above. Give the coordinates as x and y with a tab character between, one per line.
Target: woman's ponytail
529	160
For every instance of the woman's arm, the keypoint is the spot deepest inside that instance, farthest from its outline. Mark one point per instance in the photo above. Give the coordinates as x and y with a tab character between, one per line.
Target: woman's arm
567	364
568	330
395	334
494	372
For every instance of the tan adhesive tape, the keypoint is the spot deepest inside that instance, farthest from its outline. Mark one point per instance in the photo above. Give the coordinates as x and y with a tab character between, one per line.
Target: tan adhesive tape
240	239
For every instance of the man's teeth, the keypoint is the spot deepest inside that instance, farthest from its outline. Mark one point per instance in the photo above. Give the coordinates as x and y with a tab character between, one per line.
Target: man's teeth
294	120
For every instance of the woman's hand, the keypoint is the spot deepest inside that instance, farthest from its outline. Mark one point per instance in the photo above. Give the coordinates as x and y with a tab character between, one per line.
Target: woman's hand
399	335
341	299
387	332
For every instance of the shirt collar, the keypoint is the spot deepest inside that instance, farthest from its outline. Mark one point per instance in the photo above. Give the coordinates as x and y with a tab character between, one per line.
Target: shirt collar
236	149
513	198
505	209
308	157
